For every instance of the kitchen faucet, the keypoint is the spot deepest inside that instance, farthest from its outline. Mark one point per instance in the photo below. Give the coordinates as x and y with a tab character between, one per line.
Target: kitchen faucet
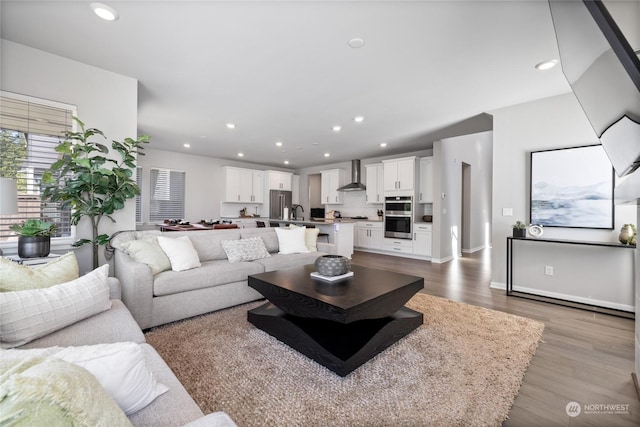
294	210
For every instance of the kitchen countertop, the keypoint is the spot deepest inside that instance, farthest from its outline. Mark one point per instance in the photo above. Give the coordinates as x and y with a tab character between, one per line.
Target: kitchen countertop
315	221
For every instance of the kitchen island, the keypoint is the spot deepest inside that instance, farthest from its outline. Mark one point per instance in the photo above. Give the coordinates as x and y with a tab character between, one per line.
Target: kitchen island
339	231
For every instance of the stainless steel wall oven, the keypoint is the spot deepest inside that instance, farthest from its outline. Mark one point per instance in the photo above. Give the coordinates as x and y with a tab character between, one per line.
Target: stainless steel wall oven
398	217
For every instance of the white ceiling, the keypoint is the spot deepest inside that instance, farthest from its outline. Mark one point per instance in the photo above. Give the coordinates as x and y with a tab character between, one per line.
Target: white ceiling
283	70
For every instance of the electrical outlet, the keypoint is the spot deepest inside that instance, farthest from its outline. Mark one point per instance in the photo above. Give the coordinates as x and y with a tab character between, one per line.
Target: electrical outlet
548	270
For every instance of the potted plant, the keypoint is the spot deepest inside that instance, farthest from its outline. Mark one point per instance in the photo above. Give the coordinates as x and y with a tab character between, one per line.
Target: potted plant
34	239
92	184
519	229
628	234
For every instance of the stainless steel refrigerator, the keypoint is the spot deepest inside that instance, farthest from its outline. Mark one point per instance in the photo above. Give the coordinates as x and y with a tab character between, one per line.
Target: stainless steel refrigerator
278	201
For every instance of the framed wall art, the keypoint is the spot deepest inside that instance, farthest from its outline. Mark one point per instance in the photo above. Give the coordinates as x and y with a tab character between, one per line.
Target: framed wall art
572	187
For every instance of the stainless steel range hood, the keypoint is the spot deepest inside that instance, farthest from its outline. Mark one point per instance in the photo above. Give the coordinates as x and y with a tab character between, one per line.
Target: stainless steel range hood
355	184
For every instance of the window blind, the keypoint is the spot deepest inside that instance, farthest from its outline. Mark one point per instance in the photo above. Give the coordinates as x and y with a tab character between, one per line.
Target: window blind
139	196
30	129
166	194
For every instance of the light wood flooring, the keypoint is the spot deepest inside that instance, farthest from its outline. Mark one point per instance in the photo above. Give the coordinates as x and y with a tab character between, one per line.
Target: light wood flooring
584	357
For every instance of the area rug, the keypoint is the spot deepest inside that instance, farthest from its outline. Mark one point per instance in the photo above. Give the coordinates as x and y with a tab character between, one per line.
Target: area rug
462	367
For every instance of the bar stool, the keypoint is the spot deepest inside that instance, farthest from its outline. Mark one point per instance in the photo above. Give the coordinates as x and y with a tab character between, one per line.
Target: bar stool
325	235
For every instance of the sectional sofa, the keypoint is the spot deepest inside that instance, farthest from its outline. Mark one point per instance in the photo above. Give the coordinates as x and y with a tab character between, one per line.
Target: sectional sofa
155	299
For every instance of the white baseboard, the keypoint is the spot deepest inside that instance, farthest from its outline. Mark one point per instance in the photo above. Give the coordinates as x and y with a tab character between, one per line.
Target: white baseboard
472	250
498	285
441	260
575	298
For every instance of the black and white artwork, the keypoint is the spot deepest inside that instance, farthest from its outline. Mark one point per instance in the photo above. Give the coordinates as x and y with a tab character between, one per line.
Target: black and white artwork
572	187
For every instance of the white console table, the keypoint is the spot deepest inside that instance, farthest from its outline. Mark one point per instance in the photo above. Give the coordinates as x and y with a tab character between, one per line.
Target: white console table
597	276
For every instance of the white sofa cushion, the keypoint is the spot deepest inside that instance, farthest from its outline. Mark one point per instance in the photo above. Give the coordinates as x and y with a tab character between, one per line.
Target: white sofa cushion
27	315
148	251
245	249
180	252
119	367
291	241
16	277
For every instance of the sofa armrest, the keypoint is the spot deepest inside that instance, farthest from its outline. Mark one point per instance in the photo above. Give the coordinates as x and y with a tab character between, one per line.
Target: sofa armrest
215	419
115	290
137	287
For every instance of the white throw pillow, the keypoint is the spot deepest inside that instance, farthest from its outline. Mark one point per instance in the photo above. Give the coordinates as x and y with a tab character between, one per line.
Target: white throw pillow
34	313
180	251
291	240
120	368
148	251
245	249
16	277
310	238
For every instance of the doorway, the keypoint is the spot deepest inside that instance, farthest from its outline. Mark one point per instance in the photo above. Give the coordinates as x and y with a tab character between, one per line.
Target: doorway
465	209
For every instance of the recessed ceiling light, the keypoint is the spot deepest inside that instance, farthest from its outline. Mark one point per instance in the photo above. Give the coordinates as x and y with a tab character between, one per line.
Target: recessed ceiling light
327	154
546	65
298	148
358	119
316	143
240	154
356	43
203	136
337	128
286	162
103	11
230	125
186	145
383	144
278	144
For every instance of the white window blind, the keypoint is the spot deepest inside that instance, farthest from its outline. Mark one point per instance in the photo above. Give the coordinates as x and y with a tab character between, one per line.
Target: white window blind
166	194
30	129
139	196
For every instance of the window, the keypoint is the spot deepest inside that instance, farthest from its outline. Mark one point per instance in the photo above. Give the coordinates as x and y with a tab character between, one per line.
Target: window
166	194
30	129
139	196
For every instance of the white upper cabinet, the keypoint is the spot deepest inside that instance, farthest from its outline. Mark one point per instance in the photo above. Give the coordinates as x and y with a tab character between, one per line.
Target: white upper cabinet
331	180
279	180
399	174
243	185
425	192
375	183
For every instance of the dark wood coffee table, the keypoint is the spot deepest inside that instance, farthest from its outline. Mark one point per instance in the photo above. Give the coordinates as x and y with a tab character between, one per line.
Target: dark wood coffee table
340	325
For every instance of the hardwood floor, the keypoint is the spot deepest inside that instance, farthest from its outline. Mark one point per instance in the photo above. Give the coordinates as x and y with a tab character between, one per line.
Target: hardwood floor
584	357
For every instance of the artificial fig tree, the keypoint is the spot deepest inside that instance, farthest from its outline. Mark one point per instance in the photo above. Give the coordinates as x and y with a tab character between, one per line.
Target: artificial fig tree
89	182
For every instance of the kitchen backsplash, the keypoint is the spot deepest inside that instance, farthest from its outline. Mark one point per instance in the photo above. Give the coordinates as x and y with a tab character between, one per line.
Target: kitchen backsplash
355	205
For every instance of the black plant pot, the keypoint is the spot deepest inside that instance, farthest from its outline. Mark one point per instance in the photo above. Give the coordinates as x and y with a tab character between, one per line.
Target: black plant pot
519	232
34	246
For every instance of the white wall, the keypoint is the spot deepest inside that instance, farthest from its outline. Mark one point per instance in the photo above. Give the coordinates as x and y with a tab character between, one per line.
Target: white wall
105	100
449	154
555	122
204	185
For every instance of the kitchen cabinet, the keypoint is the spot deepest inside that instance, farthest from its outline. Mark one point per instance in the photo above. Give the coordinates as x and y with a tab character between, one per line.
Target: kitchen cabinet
425	190
331	180
243	185
279	180
399	174
375	183
369	235
422	238
398	245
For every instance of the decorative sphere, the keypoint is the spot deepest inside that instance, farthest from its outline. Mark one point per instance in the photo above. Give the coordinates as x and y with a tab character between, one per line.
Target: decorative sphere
332	265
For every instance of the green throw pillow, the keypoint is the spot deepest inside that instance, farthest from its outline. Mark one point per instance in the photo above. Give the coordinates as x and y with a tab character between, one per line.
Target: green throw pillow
53	392
16	277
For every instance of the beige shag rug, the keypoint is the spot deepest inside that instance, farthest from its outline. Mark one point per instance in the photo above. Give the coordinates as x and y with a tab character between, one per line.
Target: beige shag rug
462	367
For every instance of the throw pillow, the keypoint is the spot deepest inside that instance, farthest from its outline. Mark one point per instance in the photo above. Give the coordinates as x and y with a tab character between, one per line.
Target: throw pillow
53	392
180	252
291	240
148	251
245	249
16	277
27	315
310	238
120	368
